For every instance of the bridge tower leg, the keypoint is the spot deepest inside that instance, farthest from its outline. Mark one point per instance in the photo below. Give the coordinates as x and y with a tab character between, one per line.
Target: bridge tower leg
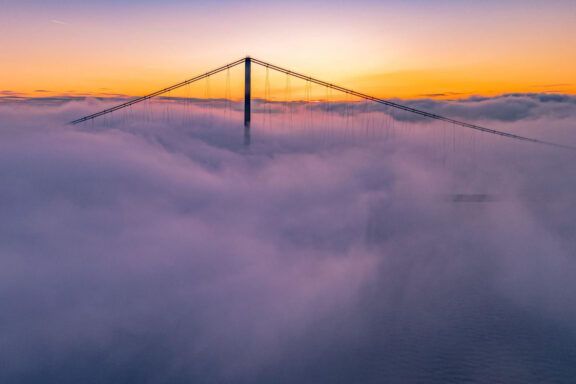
247	98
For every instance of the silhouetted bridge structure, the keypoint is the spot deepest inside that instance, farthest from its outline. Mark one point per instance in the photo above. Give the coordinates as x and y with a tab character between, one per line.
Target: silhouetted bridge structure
248	63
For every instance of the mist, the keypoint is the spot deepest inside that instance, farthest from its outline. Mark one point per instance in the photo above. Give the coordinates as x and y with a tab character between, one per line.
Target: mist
167	252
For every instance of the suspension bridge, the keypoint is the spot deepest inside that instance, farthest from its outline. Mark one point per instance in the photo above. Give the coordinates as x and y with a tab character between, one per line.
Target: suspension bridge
411	113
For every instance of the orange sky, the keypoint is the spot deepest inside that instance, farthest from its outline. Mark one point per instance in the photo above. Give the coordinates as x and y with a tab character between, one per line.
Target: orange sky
385	48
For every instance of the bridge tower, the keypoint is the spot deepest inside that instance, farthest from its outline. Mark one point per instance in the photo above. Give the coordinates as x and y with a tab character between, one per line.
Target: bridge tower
247	99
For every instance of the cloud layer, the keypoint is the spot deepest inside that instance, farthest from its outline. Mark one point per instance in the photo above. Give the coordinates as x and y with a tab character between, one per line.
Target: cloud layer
511	107
166	253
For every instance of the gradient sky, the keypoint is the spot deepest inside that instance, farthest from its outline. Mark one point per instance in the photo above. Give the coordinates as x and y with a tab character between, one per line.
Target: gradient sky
410	48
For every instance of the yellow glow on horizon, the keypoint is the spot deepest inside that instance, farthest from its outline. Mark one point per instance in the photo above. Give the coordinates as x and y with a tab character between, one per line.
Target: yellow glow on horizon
385	51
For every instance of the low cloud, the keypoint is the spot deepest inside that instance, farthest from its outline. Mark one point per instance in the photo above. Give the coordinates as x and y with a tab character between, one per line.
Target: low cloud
513	107
163	251
505	108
